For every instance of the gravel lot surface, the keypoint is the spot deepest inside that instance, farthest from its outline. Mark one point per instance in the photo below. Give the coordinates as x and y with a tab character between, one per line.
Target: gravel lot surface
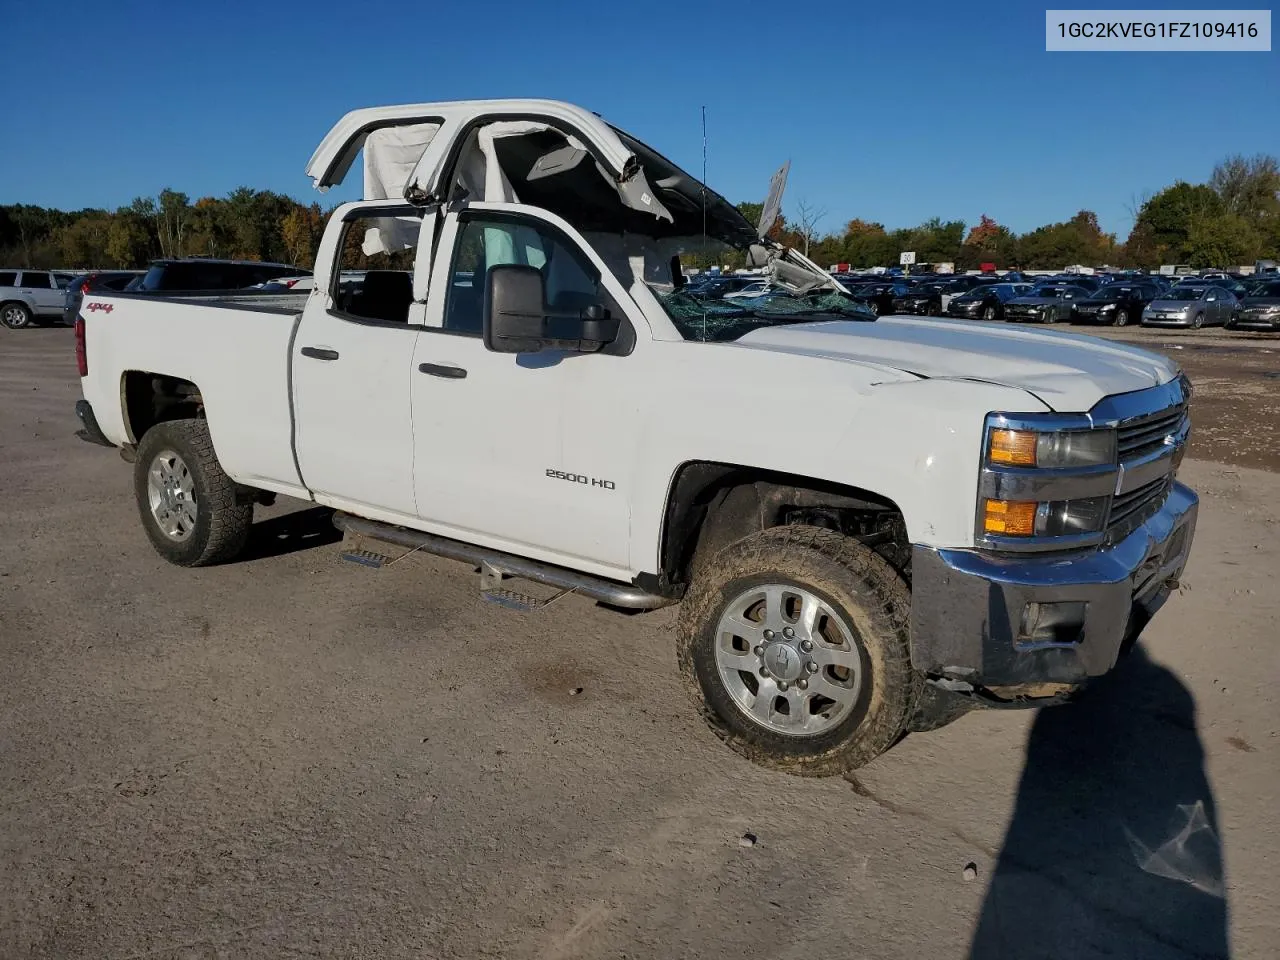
293	756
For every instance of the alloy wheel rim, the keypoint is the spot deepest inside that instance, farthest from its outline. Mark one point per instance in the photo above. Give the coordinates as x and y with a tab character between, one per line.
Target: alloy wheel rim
789	662
171	496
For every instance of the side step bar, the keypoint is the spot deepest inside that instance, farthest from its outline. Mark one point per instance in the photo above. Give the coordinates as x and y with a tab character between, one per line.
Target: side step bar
615	594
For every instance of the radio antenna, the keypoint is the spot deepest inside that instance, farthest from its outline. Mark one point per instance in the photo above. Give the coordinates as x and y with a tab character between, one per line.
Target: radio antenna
704	206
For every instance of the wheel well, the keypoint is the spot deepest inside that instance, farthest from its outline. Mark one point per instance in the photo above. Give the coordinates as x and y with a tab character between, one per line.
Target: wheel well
151	398
710	505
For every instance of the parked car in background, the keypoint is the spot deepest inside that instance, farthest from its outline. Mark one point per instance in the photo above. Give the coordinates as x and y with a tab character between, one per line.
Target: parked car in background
1084	281
1046	303
986	302
1116	304
198	273
88	283
1191	305
924	299
1260	310
287	284
962	285
1237	287
28	297
878	296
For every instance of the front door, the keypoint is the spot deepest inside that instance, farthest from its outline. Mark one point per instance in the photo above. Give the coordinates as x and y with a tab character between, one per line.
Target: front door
531	453
352	361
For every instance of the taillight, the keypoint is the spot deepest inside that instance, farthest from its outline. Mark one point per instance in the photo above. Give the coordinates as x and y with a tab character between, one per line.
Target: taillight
84	287
82	356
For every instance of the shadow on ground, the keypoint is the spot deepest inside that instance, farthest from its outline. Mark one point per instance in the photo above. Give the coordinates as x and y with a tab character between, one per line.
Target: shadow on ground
290	532
1113	849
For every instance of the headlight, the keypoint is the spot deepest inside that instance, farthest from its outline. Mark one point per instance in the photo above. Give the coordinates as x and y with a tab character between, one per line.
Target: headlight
1059	449
1055	518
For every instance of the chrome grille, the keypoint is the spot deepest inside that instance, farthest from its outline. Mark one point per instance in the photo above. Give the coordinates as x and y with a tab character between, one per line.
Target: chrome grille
1136	440
1140	437
1130	509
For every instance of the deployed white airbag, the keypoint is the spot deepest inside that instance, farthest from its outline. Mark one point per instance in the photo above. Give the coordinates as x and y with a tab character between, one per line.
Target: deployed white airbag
390	156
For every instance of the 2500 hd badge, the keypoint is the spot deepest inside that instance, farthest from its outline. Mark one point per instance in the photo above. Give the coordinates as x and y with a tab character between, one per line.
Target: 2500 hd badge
580	478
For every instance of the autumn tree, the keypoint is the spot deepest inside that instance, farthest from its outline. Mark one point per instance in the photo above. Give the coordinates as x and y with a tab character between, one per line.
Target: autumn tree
128	240
988	242
300	230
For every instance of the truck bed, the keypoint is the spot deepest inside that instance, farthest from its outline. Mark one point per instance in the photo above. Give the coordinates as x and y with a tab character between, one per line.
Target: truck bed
233	347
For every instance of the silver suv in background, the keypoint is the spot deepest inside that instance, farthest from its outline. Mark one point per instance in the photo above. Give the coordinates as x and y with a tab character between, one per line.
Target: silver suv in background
28	296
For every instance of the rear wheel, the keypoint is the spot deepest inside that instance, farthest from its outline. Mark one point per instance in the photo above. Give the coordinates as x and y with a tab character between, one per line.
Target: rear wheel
794	643
15	316
188	505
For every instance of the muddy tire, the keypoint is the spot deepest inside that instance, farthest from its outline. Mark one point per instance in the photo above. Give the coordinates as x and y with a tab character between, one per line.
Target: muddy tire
841	692
190	509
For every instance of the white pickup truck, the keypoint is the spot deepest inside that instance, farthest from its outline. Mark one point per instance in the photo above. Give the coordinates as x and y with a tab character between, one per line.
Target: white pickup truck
872	524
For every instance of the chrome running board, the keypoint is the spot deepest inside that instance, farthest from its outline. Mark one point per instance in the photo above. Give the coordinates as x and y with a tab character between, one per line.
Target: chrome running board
497	564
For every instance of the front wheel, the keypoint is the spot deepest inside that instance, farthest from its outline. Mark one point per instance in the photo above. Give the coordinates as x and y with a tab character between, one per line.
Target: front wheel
1122	318
15	316
794	643
1197	321
988	313
188	505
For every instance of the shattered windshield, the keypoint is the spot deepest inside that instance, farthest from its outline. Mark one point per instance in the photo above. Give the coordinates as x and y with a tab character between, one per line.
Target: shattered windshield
717	319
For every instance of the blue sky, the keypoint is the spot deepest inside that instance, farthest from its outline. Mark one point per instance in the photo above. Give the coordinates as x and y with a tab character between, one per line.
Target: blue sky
894	115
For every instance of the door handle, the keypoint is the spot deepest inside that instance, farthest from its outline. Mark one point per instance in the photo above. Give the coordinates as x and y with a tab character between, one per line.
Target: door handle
319	353
442	370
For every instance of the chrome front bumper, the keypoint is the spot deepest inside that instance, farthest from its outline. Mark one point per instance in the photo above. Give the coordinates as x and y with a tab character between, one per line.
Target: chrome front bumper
968	608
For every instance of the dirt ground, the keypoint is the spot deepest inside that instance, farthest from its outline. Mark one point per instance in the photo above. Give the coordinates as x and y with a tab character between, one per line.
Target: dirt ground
293	756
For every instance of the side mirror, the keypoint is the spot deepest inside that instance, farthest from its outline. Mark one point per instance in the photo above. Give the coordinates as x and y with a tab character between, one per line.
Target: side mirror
517	320
514	315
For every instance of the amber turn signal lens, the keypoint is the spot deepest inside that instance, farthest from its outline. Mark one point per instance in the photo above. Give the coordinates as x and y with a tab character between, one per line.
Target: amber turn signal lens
1010	518
1016	448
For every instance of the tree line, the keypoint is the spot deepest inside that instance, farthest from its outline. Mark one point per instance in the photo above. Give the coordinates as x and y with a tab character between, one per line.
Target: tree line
247	224
1232	219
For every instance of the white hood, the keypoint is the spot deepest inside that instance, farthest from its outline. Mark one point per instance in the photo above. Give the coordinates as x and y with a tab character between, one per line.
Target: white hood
1068	372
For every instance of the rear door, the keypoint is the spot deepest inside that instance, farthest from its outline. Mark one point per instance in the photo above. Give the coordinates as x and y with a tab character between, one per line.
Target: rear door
45	298
351	361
